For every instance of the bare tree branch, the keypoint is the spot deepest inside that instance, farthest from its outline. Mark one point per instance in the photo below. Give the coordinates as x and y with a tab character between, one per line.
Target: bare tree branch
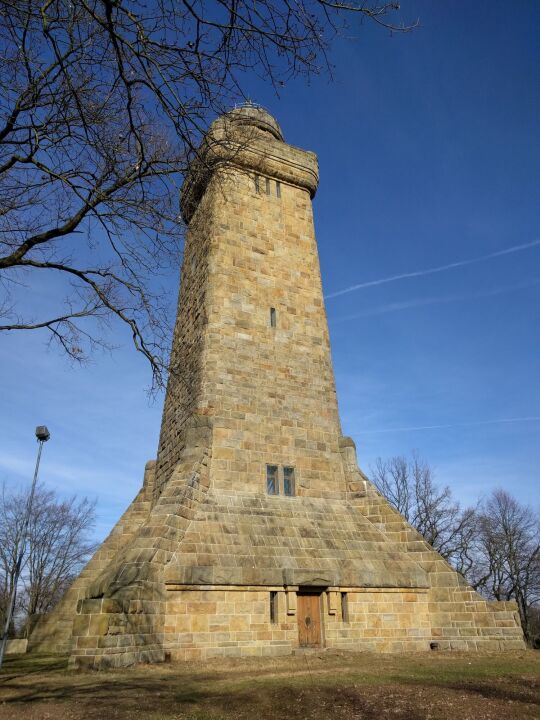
102	108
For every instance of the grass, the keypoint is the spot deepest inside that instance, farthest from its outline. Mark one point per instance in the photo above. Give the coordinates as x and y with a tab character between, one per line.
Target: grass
364	686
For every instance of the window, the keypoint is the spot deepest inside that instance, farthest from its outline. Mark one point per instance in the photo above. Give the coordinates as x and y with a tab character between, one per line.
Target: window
272	487
267	186
273	480
257	185
273	606
272	317
288	481
344	607
278	188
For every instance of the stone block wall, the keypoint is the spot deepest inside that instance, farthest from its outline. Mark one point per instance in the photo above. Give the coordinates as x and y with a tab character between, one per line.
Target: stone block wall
188	358
270	391
203	623
16	647
110	633
386	620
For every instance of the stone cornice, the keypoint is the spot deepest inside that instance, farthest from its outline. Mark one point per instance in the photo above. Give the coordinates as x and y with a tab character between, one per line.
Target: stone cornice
265	156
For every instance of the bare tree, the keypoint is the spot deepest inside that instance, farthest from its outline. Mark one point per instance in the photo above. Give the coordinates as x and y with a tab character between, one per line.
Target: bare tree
507	564
534	625
57	546
102	108
11	531
410	486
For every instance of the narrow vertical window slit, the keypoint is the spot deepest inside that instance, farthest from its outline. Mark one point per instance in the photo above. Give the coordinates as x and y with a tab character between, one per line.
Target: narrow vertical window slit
273	607
288	481
344	607
272	487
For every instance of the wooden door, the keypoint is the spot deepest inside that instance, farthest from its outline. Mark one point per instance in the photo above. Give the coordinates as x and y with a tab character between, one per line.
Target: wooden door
309	619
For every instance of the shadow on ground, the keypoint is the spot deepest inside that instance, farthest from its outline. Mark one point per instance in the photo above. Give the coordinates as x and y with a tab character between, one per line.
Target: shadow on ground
350	687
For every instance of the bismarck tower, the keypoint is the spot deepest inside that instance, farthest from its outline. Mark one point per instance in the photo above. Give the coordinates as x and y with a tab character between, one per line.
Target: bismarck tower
255	532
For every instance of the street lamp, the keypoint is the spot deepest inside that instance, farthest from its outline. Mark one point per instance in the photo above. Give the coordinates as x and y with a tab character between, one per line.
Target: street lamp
42	435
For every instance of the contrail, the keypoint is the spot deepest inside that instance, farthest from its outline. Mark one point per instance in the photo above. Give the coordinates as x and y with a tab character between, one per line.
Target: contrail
532	418
434	300
432	271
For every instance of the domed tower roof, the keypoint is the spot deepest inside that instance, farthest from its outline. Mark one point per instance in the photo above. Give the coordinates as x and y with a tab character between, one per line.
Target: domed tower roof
253	115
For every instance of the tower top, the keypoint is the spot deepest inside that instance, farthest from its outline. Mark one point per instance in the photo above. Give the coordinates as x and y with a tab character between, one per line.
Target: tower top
249	139
252	115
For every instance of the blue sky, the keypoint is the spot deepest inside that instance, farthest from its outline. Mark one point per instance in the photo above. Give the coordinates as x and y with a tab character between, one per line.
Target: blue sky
428	146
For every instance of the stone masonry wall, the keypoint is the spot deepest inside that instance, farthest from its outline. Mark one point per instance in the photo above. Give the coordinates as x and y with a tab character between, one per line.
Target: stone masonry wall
202	623
188	361
395	620
270	391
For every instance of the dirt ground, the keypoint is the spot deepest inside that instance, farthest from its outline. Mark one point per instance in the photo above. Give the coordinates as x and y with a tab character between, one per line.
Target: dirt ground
326	685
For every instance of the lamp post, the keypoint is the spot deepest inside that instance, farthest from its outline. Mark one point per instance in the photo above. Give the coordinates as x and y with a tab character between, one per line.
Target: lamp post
42	435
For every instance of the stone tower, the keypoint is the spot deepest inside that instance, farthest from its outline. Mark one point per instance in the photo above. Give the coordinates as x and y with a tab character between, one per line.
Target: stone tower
255	532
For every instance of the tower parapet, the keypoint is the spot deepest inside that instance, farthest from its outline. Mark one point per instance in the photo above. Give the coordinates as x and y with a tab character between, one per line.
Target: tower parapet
250	139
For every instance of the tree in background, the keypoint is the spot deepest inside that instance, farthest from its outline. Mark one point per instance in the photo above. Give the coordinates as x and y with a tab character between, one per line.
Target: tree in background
58	545
410	486
534	625
507	561
495	545
103	104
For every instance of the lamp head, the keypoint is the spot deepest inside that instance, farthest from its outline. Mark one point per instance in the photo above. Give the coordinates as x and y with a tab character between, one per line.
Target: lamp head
42	433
